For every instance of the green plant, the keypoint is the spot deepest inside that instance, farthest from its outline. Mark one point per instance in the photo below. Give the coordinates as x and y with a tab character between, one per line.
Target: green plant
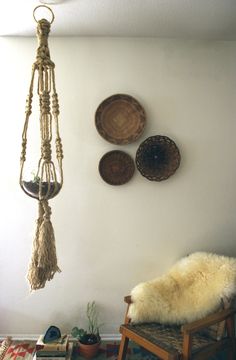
36	178
90	336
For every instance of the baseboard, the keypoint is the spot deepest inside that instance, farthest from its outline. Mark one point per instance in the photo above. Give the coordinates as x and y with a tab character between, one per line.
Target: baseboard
34	337
111	337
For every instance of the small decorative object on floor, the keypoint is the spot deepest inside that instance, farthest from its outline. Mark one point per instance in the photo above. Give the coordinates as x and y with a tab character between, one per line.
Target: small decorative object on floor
48	179
89	340
57	349
157	158
53	334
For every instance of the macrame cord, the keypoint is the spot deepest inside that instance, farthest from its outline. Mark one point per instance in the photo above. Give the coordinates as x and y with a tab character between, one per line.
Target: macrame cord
43	265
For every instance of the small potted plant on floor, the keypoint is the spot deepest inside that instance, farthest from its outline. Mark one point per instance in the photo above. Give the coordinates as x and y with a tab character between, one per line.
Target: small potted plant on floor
89	340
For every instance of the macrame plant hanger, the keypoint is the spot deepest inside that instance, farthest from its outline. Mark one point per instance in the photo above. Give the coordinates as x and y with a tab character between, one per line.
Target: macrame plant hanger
48	180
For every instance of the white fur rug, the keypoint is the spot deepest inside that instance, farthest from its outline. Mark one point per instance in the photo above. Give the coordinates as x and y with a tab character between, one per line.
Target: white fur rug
192	288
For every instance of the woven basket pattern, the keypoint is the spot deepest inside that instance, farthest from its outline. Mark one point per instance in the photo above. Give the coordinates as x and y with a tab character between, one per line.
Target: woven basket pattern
168	338
116	167
120	119
157	158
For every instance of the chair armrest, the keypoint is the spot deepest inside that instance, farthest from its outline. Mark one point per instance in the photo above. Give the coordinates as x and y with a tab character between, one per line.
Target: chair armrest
127	299
207	321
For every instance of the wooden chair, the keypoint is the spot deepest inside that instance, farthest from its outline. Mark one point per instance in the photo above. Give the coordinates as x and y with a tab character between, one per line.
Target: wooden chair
184	342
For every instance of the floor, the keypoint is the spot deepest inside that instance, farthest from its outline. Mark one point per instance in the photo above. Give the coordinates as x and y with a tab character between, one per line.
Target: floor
109	351
24	350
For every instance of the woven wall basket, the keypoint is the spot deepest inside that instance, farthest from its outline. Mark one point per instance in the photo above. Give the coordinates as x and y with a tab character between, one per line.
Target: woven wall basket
157	158
116	167
120	119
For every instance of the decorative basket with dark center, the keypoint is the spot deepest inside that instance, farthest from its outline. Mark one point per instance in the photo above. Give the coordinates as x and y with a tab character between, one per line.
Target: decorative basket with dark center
120	119
116	167
157	158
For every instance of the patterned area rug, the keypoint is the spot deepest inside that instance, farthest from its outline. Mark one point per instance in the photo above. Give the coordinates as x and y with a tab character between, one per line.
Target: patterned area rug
24	350
18	350
109	350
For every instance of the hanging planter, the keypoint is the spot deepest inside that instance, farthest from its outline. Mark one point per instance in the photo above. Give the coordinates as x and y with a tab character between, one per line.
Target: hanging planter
41	189
48	180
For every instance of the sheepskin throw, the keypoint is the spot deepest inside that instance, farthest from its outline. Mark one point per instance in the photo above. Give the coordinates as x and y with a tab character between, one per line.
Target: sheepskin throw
193	288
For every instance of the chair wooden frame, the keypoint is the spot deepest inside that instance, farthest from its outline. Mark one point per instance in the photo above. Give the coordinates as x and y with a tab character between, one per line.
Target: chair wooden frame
228	343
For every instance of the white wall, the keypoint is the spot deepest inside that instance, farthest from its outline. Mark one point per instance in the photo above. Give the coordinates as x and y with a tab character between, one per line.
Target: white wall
111	238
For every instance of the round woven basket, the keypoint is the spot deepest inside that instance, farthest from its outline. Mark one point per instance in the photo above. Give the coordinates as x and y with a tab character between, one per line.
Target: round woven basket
157	158
120	119
116	167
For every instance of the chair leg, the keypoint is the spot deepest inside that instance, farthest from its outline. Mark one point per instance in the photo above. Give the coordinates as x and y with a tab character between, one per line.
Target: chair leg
123	348
231	333
230	355
231	352
187	344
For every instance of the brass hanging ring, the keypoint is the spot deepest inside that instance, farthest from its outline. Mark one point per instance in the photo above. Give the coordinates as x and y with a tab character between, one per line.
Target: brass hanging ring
44	6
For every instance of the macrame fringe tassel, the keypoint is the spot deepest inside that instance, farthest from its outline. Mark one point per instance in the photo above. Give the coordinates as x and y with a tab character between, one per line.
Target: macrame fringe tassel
43	264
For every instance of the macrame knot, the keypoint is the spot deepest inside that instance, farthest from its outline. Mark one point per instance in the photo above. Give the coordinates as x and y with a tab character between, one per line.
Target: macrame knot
40	211
47	211
46	150
44	102
43	30
23	151
43	54
55	104
28	106
59	150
